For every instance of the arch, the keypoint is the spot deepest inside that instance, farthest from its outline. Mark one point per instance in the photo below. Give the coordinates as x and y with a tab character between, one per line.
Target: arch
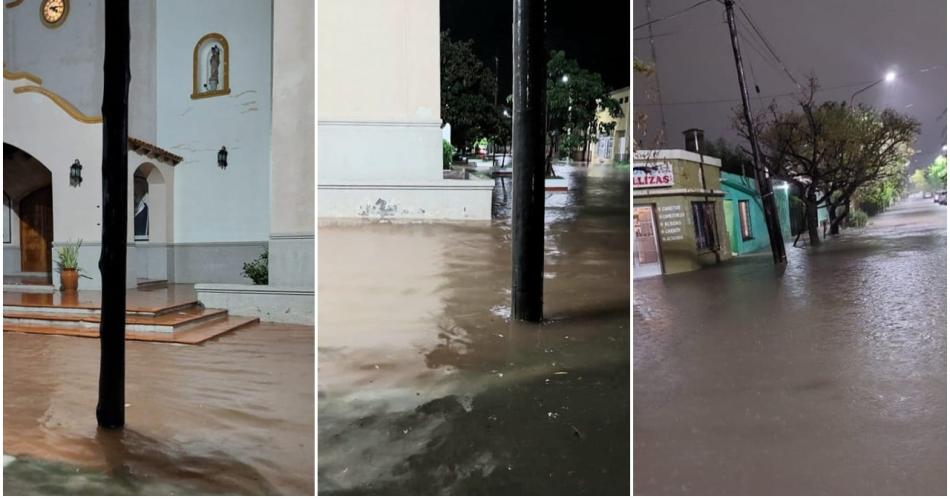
205	43
28	213
150	209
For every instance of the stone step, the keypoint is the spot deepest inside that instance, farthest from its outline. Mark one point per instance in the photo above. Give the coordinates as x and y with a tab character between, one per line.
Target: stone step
82	308
149	284
170	322
190	335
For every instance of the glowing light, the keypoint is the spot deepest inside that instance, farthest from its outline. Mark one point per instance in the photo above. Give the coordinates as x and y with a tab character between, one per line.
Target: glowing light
890	76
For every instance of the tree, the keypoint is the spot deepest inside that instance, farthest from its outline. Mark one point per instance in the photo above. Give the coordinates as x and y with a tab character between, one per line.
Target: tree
937	174
467	93
919	181
831	150
574	95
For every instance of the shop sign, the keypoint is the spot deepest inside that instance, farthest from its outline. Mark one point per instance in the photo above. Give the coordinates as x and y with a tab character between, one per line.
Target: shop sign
649	175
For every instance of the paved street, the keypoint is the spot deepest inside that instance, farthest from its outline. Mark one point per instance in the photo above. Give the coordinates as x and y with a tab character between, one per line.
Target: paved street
427	387
827	378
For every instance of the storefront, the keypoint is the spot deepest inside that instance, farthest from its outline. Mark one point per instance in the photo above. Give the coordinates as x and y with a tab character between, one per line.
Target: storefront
677	212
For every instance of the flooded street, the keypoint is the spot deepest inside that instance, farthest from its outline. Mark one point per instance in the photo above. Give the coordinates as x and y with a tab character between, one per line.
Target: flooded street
233	415
827	378
427	387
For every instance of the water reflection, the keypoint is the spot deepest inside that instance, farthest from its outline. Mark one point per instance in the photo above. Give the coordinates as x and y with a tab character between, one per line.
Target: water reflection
427	387
231	416
827	377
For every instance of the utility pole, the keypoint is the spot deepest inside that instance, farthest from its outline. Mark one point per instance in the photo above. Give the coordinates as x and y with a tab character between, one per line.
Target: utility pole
529	62
761	175
110	411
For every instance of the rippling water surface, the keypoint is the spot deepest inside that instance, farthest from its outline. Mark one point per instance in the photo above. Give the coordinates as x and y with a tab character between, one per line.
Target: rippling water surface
826	378
231	416
426	387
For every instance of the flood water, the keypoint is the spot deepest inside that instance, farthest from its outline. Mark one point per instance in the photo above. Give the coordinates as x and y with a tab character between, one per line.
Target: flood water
233	415
427	387
827	378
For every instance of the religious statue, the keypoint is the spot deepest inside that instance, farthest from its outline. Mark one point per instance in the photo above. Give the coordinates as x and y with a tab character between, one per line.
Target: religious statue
213	68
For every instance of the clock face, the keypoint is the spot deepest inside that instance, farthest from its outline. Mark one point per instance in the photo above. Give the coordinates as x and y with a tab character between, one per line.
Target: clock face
54	12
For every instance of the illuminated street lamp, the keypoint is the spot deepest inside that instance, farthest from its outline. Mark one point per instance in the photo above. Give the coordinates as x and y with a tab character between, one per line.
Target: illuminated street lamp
888	78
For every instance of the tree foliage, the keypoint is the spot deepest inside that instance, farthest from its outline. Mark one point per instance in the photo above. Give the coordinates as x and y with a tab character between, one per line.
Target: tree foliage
467	93
574	97
832	150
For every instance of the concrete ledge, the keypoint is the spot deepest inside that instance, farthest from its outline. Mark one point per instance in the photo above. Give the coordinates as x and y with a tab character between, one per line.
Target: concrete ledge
269	303
439	199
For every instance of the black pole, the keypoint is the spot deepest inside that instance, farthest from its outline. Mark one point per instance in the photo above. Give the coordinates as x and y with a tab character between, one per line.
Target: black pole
527	205
110	412
761	177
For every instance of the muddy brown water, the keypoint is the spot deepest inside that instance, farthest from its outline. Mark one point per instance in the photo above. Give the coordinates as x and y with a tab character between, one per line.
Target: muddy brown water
427	387
827	378
234	415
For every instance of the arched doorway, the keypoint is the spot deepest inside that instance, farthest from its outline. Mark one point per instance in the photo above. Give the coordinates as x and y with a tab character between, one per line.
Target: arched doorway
150	221
28	217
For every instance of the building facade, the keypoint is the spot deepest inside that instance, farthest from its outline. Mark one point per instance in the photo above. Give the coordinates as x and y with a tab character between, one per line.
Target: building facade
612	147
677	212
221	154
745	216
379	136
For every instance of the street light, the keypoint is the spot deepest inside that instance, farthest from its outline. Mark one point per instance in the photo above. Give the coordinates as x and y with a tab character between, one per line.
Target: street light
564	79
888	78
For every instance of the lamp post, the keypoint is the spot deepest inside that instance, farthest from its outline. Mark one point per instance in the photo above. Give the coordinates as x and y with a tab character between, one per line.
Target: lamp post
888	78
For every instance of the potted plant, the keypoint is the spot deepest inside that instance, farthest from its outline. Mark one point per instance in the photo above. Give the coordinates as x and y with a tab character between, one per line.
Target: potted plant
67	263
256	270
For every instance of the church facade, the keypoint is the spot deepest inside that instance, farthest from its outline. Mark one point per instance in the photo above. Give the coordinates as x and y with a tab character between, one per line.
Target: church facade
221	151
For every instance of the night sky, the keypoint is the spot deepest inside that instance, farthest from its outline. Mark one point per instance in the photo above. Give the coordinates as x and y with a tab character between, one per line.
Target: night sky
596	33
847	43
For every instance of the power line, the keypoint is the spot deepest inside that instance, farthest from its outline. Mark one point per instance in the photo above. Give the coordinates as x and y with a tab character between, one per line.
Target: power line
678	32
656	69
786	94
768	45
671	16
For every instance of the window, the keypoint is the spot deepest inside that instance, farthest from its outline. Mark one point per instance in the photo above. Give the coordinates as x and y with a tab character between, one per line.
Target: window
745	225
704	225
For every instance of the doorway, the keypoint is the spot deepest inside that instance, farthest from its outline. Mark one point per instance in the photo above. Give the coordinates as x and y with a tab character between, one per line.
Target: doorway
36	231
647	260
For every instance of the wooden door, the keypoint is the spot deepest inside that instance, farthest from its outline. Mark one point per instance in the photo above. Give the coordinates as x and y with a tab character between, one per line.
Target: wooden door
36	231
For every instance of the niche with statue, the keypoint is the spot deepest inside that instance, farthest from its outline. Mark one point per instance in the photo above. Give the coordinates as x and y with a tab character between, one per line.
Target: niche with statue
211	76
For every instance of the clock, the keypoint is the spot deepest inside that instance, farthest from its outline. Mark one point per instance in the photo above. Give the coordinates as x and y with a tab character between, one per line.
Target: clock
53	12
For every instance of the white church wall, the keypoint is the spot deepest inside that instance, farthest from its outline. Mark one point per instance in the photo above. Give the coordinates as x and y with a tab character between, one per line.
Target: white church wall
379	135
143	92
292	150
214	204
62	56
221	216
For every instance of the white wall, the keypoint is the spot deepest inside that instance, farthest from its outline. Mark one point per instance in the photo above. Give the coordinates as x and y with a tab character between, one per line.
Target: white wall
212	204
379	118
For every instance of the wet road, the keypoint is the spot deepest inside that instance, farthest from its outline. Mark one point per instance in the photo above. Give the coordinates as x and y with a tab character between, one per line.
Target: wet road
426	387
827	379
233	415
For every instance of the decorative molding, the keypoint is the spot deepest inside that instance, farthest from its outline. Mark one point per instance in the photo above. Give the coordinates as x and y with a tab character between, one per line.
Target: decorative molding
252	289
422	124
61	102
456	185
291	235
225	68
22	75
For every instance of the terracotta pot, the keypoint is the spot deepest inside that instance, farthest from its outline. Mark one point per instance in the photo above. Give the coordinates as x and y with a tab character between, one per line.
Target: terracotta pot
70	280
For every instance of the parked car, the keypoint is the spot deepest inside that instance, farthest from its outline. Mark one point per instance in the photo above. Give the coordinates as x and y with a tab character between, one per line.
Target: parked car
941	198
